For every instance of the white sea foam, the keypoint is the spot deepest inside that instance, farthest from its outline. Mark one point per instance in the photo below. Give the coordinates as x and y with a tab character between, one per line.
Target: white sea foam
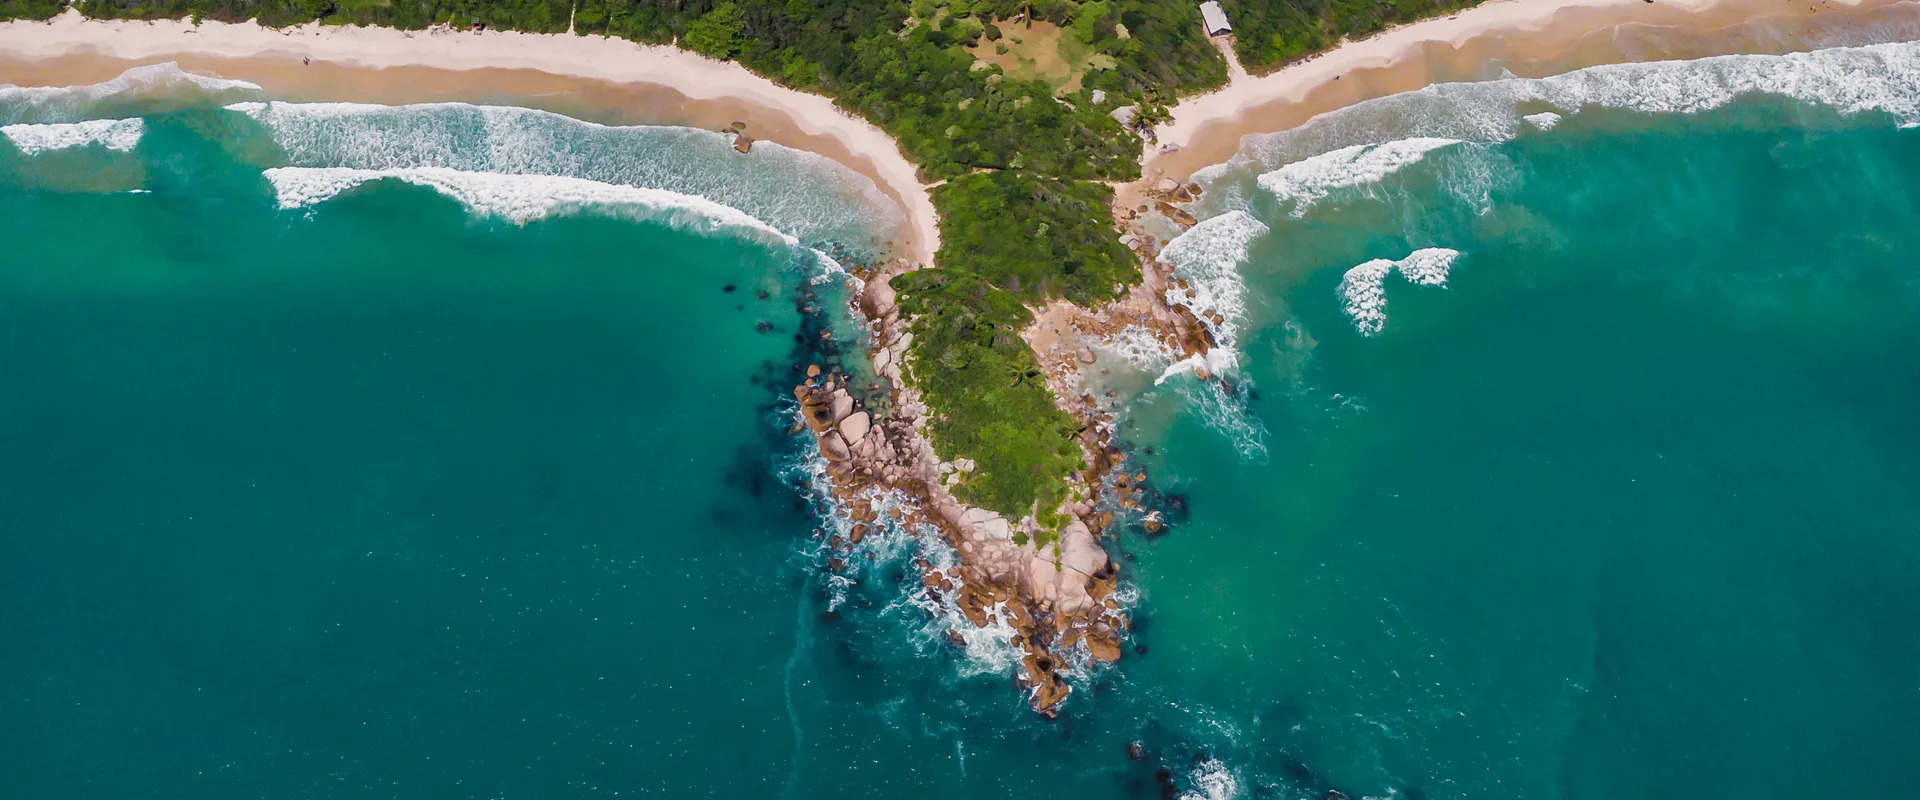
114	134
1545	120
816	199
75	103
525	198
1217	361
927	621
1363	289
1305	182
1212	781
1208	258
1881	78
1141	348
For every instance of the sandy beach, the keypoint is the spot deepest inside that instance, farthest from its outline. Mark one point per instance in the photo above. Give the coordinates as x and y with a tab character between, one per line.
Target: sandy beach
1524	38
586	76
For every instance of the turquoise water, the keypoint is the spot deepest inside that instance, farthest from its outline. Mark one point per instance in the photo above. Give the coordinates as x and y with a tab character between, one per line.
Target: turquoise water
1625	509
422	482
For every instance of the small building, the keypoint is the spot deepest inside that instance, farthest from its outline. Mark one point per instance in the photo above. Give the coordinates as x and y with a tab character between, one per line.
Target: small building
1214	19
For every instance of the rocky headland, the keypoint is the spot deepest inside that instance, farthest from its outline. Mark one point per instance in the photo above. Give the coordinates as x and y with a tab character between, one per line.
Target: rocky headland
1054	587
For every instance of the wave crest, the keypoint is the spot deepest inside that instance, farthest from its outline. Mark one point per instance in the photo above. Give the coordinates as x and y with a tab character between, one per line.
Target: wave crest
814	198
1307	181
1882	78
1207	258
1363	289
525	198
139	85
114	134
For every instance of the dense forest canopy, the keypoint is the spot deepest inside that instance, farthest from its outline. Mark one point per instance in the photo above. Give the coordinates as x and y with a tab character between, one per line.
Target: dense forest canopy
1270	33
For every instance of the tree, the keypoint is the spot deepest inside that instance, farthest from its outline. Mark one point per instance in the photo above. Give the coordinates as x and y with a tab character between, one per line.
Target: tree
719	33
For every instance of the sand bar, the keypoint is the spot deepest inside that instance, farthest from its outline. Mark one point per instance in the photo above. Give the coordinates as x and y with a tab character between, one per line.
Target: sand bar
384	65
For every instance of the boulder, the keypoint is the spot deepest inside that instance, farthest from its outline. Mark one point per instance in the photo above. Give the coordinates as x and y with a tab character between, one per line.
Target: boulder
1099	96
1104	645
1050	693
816	413
1087	355
1179	216
877	299
854	427
1165	186
834	447
841	405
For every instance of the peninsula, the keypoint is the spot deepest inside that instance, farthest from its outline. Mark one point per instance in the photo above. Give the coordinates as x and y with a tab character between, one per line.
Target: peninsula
1024	142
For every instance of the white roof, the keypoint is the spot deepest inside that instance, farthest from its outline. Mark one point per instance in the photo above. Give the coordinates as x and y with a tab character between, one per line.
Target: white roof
1215	19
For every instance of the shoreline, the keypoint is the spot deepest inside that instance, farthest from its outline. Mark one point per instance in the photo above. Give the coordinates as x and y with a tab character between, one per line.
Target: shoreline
575	75
1059	596
1522	38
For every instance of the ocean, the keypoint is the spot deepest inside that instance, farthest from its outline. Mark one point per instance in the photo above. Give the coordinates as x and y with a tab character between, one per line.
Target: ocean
1562	447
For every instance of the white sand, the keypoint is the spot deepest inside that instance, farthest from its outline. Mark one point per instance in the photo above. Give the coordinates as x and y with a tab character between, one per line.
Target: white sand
1495	18
590	57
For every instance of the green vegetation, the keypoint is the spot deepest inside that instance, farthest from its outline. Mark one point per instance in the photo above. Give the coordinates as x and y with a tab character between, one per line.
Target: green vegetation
1035	237
29	9
986	397
538	16
1270	33
719	34
1009	240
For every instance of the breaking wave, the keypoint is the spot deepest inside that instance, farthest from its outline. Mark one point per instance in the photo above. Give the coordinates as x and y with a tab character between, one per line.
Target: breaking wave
1207	258
1305	182
1545	120
525	198
1363	289
114	134
815	199
1882	78
142	89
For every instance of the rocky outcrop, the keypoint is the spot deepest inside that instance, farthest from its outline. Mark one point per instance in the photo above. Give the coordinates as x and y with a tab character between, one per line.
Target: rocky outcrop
1054	588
